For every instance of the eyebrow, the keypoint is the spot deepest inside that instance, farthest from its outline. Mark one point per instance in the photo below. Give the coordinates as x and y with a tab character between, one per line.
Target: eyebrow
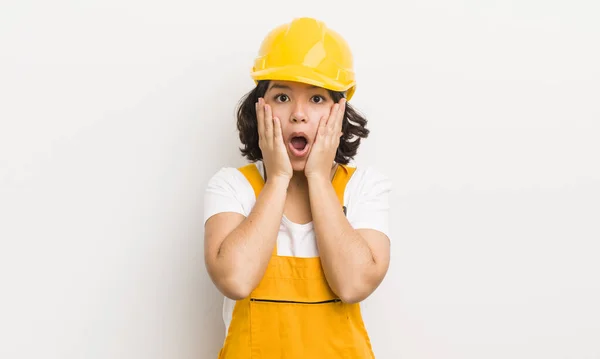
285	87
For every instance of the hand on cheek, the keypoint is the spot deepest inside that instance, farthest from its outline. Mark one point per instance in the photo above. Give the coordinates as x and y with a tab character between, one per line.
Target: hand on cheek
322	153
272	146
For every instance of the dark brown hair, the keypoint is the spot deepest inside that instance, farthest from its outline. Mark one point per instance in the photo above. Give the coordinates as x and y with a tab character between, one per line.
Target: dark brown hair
353	127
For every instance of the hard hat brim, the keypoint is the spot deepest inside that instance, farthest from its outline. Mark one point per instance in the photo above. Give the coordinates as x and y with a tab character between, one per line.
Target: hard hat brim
305	75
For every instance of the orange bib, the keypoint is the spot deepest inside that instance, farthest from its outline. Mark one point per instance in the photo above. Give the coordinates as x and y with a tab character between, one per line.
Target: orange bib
293	314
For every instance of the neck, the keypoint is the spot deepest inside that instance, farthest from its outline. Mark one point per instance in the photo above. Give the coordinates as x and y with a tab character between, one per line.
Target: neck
298	182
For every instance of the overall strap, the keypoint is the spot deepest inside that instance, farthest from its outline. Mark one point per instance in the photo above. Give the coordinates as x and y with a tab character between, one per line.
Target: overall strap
254	177
342	175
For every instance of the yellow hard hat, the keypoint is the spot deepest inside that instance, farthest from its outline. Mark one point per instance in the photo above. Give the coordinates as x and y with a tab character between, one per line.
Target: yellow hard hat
306	51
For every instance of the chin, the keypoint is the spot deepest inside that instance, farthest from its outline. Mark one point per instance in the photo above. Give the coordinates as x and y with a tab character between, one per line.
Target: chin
298	165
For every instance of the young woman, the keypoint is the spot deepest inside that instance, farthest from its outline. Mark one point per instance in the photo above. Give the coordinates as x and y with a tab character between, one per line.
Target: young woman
297	238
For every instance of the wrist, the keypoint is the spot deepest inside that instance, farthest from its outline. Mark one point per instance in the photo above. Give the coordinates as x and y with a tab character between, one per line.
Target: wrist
278	181
318	180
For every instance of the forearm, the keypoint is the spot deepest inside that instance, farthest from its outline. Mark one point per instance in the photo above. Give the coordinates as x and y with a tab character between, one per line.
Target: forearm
347	260
244	254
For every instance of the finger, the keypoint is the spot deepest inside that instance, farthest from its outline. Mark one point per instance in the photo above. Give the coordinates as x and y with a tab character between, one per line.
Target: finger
322	129
331	121
277	133
260	118
268	120
341	115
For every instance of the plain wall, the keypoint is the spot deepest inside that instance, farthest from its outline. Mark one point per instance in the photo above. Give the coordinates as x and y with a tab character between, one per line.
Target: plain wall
114	115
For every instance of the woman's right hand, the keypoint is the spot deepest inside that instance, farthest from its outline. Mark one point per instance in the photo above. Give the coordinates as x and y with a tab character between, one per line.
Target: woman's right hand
270	140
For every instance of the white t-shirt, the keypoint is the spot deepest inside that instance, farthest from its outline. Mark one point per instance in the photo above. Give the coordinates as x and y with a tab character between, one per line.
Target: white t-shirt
366	198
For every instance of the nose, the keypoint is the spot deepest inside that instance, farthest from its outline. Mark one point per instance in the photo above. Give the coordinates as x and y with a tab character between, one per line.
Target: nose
299	115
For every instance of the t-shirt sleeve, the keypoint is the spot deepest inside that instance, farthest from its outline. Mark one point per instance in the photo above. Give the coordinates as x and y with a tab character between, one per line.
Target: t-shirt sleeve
227	191
368	204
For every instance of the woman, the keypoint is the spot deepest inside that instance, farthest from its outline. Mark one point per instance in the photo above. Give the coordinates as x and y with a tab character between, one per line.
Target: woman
297	238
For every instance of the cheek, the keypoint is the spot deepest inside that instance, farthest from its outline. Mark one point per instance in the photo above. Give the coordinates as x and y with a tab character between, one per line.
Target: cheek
280	112
318	114
285	127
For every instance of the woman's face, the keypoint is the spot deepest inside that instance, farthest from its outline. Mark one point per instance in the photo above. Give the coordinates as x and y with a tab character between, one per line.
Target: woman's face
299	107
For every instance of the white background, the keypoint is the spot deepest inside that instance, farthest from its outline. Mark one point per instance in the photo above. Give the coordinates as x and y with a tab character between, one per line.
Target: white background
114	115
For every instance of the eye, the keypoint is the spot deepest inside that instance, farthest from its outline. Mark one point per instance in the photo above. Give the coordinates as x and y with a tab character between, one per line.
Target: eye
318	99
281	97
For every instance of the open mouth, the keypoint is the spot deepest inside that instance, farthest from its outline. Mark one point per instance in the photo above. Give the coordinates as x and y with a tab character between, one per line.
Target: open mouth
298	144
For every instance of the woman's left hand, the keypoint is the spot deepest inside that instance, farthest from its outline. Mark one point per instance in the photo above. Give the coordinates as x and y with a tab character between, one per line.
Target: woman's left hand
322	154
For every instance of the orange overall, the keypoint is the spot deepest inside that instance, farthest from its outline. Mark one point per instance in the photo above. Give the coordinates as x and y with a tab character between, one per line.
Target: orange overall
293	314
